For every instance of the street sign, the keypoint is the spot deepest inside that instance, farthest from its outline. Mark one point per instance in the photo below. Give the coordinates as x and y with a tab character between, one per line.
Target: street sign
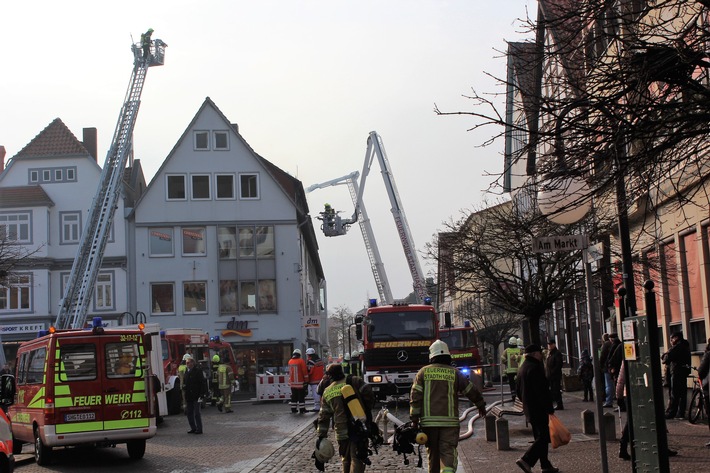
559	243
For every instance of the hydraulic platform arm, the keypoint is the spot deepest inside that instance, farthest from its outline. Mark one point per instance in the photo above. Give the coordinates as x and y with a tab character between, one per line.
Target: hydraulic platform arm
82	279
373	253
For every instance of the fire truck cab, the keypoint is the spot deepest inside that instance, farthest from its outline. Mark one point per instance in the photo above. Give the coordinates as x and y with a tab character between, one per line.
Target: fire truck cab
82	387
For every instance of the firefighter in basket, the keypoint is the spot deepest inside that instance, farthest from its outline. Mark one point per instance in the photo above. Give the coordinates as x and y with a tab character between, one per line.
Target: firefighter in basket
348	402
434	406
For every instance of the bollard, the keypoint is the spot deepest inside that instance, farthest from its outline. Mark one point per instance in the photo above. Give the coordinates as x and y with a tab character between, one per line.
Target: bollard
502	434
588	422
610	426
490	428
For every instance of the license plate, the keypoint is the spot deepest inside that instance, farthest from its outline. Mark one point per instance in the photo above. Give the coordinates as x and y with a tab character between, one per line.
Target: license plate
79	417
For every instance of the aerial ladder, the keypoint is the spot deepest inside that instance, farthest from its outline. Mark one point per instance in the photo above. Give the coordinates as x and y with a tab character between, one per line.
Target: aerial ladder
82	279
333	223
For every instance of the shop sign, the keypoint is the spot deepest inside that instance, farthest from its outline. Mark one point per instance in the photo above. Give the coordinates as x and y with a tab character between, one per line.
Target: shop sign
312	322
20	328
237	327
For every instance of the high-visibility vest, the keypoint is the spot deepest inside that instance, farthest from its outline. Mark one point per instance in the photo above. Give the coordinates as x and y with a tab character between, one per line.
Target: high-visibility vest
225	376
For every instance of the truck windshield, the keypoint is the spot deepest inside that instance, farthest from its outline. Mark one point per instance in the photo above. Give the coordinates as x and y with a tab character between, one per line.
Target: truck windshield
458	339
408	325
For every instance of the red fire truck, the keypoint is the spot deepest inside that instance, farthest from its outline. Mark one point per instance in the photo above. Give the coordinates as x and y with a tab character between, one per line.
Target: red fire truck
396	341
463	346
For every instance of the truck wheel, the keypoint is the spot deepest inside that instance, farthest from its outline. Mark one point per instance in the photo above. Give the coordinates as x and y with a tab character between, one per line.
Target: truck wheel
5	465
174	399
136	448
16	446
43	453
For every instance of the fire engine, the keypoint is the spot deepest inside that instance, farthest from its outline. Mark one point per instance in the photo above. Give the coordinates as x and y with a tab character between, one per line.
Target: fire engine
463	346
178	341
82	387
396	341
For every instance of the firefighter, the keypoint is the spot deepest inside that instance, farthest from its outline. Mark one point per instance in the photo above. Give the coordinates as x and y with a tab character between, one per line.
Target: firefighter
346	364
298	382
225	378
214	379
511	359
182	369
334	407
434	407
316	369
355	365
145	44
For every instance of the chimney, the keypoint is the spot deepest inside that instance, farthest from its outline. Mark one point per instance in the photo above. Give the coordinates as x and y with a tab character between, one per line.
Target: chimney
2	158
90	141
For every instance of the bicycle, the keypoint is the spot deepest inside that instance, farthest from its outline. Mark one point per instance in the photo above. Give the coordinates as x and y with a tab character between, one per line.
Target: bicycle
697	401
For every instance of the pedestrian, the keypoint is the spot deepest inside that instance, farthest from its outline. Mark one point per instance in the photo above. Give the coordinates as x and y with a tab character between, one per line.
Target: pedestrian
534	390
434	407
608	379
195	387
678	360
316	369
225	378
298	382
586	375
511	359
333	408
704	375
553	369
614	363
145	44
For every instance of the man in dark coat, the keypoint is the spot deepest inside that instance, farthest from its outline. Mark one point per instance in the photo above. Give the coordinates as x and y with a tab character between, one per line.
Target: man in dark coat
195	387
608	380
533	389
553	369
678	361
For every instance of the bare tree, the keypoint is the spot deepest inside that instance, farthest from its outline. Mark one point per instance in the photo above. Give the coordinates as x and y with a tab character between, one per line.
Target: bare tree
13	258
342	338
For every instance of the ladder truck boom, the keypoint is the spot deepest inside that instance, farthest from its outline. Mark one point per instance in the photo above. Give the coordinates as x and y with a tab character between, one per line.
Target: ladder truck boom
373	253
82	279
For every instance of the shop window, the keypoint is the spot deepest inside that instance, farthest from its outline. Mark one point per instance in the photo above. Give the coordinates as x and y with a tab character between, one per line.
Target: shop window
228	297
227	241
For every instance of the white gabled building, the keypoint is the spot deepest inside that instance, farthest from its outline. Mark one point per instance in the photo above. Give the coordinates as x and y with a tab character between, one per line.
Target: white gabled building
45	193
223	241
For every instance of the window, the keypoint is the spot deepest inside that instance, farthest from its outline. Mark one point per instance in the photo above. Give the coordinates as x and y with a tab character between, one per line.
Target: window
71	174
202	140
698	340
46	175
162	300
221	140
200	186
194	297
15	227
15	294
193	241
34	176
247	296
256	241
58	175
249	186
103	292
227	241
78	362
225	186
160	241
35	363
227	297
176	187
70	223
267	295
123	360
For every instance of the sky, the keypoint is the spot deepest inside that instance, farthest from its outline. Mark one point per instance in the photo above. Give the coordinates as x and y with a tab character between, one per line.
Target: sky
305	80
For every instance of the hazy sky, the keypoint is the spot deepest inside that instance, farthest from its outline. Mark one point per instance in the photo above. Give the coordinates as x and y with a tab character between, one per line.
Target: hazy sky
306	81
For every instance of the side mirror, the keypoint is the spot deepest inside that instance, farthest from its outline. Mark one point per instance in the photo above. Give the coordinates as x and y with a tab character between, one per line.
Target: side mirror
358	332
7	389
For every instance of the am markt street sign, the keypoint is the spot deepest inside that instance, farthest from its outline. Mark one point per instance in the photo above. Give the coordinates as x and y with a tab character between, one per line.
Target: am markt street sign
552	244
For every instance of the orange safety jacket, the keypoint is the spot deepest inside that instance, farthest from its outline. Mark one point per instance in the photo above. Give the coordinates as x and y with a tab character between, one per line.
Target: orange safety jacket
316	368
297	373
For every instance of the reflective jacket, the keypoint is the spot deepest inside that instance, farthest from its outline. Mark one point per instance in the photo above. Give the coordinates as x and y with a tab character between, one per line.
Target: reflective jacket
511	359
434	399
316	368
225	376
297	373
333	406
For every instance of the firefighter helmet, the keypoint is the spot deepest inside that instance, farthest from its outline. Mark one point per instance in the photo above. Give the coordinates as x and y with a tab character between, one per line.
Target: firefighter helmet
520	342
215	359
186	357
297	351
324	451
513	342
310	351
354	355
346	357
438	348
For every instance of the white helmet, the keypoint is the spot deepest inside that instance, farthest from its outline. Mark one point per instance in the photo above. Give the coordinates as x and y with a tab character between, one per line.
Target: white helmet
325	451
297	351
310	351
354	354
513	342
520	342
346	357
186	357
438	348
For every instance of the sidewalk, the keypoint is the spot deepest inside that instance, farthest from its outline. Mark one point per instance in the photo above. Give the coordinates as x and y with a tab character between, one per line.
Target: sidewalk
582	454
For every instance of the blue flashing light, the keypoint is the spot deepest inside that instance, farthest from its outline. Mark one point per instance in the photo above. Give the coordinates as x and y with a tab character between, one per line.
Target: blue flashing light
162	334
427	300
373	302
96	322
215	339
466	323
42	333
465	370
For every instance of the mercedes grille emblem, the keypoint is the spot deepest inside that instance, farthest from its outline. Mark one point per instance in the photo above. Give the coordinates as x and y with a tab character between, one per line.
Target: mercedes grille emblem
402	355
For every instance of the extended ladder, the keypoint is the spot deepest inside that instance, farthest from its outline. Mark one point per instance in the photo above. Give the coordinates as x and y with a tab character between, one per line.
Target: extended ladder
80	286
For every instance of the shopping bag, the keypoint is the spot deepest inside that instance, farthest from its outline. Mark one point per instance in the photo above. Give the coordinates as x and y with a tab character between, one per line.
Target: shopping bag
559	435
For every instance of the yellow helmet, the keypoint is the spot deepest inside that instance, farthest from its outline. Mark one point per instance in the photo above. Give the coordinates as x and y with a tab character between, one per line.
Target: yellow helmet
215	359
